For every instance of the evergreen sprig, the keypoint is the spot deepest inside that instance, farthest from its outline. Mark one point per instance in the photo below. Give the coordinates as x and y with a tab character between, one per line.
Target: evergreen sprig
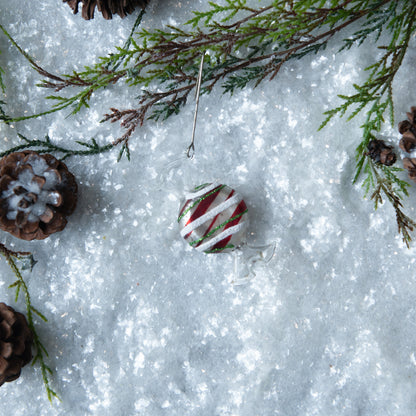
376	95
27	262
47	146
3	91
2	86
244	46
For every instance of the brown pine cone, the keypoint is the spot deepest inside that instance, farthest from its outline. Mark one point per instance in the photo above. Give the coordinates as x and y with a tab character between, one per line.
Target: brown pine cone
15	343
408	129
410	166
381	153
37	193
106	7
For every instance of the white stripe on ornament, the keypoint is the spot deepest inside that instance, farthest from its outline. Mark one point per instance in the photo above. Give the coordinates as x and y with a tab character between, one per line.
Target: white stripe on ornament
203	191
236	199
229	231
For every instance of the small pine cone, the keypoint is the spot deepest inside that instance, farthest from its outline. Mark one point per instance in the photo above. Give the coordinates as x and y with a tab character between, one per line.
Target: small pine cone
381	153
408	129
37	193
15	343
106	7
410	166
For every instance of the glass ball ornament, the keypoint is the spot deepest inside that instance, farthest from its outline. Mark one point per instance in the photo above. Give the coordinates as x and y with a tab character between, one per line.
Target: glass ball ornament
213	218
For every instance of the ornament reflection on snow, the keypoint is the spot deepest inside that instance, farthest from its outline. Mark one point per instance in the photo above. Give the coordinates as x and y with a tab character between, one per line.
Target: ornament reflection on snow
37	193
213	218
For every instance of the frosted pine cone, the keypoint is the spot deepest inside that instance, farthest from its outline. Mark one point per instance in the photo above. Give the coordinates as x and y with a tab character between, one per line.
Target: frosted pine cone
106	7
37	192
15	343
408	129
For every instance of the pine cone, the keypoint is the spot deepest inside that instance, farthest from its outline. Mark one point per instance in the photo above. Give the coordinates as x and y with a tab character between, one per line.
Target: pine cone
37	192
408	129
410	166
15	343
381	153
106	7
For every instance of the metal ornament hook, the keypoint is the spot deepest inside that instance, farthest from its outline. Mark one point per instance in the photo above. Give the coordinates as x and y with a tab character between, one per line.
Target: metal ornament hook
191	148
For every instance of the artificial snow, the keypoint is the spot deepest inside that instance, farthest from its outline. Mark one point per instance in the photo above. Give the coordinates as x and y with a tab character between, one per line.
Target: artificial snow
140	324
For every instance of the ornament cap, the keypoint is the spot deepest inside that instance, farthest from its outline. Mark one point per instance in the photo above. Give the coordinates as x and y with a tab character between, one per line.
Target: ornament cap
247	258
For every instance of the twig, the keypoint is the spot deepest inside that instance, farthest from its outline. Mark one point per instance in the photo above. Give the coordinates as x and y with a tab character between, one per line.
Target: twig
20	285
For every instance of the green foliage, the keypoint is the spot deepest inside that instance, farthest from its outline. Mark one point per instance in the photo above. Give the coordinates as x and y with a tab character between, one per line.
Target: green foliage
2	86
3	90
26	261
375	96
383	183
245	46
3	115
46	146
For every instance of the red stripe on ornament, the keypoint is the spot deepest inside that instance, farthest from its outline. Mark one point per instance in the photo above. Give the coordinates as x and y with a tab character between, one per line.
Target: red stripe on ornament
215	219
239	210
203	207
221	244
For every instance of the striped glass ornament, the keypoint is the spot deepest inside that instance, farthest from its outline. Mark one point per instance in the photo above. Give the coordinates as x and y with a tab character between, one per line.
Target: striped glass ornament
213	218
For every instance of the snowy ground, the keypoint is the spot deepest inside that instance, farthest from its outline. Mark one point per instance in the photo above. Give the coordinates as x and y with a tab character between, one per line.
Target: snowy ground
141	325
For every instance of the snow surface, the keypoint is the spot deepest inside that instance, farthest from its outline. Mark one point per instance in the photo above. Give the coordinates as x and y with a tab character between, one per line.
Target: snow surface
139	324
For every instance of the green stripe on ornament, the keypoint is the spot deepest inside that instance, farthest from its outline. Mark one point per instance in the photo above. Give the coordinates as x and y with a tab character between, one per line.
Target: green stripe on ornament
216	250
197	188
200	200
217	228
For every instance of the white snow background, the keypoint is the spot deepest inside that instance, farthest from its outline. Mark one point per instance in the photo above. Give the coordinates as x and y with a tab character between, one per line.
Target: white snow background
139	324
